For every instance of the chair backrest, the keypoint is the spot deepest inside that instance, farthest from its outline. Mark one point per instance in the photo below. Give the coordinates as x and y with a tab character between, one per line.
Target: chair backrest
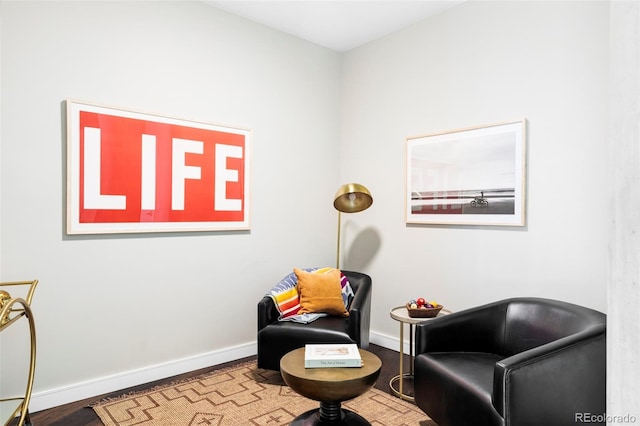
357	280
532	322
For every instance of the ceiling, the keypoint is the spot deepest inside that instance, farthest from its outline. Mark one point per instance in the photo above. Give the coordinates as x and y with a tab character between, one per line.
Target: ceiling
337	25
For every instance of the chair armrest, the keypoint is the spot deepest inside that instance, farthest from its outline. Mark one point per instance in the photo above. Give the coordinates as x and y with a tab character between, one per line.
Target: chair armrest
554	382
478	329
360	314
267	312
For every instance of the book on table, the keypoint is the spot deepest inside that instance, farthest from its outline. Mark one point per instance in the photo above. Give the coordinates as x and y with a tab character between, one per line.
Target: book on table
332	355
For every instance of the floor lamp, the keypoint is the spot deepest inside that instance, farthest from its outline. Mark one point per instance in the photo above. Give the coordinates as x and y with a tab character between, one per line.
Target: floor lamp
350	198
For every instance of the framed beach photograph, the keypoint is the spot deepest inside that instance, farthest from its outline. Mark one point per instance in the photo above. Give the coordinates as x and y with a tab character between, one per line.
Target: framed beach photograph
473	176
130	171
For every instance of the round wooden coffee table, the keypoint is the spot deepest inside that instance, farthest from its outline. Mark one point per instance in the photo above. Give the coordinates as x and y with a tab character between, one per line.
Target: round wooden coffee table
330	386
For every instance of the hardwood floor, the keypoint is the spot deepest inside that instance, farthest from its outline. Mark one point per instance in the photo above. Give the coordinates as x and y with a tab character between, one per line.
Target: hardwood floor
80	414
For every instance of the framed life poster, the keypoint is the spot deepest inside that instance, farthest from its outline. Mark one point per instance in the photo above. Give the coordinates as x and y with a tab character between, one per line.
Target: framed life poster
134	172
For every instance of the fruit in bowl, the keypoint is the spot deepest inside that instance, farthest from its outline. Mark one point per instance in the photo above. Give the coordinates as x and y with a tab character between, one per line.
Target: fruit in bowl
421	302
420	307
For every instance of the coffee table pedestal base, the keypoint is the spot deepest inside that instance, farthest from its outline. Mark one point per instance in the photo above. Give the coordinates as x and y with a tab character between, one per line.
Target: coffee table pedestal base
329	413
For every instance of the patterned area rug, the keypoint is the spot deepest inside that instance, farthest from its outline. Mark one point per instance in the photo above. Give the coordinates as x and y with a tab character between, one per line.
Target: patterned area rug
243	395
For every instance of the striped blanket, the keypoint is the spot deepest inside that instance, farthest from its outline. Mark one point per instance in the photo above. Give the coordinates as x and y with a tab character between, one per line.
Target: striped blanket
287	300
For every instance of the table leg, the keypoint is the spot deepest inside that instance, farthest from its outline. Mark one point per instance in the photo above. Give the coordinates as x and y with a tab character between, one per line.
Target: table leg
399	390
401	358
330	414
411	350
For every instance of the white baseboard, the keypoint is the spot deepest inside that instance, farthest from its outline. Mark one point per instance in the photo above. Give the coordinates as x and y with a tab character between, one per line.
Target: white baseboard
389	342
42	400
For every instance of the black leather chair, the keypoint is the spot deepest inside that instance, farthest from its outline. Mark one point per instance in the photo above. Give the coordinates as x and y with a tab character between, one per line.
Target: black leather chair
522	361
276	338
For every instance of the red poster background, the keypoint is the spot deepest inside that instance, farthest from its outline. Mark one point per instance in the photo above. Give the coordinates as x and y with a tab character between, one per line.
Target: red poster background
121	170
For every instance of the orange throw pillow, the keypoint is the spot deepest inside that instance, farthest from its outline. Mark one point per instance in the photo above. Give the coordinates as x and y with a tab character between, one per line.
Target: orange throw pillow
320	292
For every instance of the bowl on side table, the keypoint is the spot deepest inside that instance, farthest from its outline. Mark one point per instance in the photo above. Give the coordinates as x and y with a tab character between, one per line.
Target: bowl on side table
423	312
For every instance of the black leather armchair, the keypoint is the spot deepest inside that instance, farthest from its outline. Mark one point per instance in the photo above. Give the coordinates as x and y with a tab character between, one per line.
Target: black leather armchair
276	338
522	361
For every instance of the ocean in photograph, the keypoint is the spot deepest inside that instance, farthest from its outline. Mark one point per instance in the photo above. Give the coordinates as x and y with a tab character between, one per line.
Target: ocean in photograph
494	201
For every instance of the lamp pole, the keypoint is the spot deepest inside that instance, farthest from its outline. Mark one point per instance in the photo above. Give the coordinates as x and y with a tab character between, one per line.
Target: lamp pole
338	250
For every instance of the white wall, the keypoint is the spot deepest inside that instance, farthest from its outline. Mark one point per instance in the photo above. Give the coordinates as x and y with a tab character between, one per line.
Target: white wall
482	63
112	306
623	332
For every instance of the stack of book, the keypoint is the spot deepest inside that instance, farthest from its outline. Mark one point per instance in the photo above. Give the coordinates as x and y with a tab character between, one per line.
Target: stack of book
332	355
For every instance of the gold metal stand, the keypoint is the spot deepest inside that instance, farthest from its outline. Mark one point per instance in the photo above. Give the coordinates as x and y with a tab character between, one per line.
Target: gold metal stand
400	314
12	309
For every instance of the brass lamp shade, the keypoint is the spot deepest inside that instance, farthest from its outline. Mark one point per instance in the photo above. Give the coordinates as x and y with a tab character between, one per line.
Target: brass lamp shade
352	198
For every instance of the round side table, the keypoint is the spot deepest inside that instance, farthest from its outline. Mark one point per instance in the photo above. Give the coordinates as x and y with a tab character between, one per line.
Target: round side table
400	314
330	386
